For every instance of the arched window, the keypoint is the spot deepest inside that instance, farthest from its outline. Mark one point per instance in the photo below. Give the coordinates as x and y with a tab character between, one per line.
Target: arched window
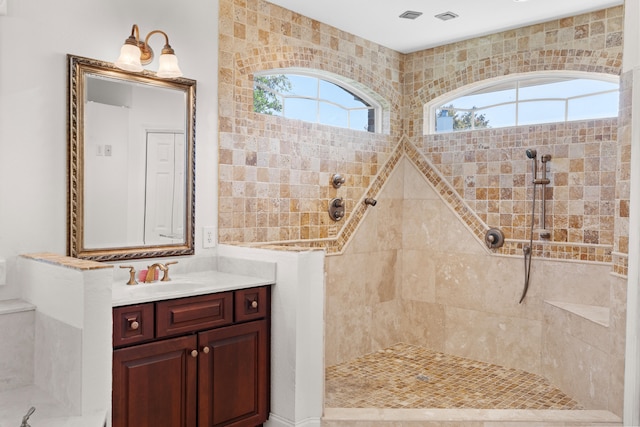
525	99
325	99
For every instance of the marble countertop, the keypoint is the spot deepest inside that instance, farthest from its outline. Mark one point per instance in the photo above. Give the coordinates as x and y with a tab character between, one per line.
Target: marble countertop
183	285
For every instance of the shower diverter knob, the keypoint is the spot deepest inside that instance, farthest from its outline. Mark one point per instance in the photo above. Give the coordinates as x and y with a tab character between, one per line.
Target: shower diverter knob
494	238
337	180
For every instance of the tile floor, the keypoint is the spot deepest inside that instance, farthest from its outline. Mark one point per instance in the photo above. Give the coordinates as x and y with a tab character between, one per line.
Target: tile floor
407	376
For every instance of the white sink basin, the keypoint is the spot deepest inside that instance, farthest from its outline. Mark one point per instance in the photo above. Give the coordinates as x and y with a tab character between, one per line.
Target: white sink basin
182	285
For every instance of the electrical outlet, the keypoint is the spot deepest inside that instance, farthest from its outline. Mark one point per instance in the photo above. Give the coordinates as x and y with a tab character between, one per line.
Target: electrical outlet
208	237
3	271
107	150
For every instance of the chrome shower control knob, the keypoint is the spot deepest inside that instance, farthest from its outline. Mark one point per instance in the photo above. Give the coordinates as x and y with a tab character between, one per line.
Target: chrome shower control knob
336	209
494	238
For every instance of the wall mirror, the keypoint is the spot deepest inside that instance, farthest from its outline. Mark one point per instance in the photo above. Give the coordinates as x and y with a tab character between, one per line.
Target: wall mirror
131	163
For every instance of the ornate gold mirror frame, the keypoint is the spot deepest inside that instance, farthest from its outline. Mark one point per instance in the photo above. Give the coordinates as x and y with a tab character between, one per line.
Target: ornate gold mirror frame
182	243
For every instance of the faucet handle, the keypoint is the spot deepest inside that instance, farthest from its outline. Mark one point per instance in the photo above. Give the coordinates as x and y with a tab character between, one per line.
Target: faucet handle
132	274
165	277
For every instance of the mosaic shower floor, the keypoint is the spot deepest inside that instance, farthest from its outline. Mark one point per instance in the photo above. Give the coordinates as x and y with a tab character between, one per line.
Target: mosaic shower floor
407	376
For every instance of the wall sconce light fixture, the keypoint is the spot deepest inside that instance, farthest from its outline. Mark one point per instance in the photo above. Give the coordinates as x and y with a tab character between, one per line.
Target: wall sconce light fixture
135	53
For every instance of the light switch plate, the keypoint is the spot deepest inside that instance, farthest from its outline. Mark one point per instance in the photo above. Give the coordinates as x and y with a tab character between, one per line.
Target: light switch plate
3	7
3	271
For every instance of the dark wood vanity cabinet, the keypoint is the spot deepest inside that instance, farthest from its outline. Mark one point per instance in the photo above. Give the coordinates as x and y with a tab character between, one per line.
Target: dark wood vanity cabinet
207	364
154	384
229	379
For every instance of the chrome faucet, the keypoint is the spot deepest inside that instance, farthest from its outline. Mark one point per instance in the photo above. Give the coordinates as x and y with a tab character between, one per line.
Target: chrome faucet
26	417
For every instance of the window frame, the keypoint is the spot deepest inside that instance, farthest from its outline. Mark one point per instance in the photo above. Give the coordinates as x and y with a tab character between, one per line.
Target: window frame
430	108
347	85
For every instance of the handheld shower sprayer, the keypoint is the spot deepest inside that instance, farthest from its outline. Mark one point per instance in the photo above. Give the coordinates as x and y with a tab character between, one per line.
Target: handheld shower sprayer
533	155
544	233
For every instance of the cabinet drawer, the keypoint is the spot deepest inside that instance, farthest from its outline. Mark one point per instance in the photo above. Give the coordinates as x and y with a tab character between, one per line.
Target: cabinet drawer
192	314
132	324
251	304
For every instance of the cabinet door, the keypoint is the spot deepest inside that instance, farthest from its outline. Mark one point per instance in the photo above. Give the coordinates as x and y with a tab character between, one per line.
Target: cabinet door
233	376
155	384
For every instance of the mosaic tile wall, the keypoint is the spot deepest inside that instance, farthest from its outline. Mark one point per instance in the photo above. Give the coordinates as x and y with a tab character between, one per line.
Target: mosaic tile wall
589	42
488	169
397	274
275	173
492	175
623	178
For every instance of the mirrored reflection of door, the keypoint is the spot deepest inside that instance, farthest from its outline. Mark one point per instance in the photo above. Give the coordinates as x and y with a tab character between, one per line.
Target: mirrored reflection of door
105	178
165	190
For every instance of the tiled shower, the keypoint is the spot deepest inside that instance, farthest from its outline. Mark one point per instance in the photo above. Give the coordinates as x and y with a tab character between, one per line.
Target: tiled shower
413	268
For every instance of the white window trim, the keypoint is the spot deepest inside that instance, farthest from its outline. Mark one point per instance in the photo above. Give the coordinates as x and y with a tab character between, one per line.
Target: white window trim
346	84
429	110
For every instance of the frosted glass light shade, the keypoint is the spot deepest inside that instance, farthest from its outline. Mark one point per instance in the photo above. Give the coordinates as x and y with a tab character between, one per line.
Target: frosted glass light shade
129	59
168	66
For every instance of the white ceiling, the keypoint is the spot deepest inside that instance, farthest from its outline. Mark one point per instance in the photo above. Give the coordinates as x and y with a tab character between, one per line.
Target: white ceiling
378	20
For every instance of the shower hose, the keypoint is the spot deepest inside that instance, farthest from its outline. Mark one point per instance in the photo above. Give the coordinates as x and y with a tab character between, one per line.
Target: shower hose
528	250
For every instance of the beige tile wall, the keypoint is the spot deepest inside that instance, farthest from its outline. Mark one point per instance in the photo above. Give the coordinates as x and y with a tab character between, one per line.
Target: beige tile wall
488	169
623	175
429	281
413	268
492	175
457	298
275	173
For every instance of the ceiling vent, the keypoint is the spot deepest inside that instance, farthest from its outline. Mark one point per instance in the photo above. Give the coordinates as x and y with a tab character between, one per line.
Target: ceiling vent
446	16
410	14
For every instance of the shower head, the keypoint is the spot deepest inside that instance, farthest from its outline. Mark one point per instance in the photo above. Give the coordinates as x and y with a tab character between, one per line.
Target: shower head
532	154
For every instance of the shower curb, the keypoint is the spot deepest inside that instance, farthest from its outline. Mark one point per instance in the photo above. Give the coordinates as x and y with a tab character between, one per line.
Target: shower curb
475	417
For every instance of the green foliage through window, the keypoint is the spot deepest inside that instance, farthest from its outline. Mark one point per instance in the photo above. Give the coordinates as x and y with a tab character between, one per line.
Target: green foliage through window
265	100
313	99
